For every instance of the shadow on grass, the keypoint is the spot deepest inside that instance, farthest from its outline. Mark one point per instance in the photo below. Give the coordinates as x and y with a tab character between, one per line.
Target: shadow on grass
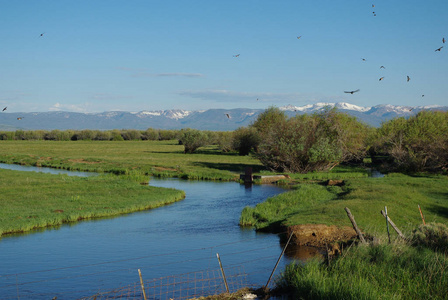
230	166
203	152
439	210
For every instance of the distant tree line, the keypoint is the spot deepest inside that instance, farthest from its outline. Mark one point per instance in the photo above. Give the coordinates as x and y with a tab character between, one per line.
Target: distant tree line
91	135
302	143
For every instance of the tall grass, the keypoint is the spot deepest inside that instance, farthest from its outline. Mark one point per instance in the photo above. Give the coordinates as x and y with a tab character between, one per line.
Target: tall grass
32	200
382	271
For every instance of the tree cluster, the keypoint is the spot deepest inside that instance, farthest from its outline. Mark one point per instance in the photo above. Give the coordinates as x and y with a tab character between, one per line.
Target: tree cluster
302	143
90	135
309	142
417	144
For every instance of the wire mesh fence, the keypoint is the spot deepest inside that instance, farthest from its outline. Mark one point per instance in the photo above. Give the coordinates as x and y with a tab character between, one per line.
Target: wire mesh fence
180	287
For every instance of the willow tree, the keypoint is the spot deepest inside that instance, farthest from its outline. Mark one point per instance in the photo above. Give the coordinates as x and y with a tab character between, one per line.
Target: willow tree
307	143
419	143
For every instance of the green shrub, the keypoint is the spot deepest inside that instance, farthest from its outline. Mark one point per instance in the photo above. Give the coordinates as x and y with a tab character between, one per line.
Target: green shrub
192	139
245	140
307	143
419	143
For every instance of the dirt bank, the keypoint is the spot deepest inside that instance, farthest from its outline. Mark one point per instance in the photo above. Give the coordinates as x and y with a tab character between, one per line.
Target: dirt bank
319	235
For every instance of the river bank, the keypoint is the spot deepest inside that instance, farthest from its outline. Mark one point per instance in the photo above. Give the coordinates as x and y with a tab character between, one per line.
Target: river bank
49	200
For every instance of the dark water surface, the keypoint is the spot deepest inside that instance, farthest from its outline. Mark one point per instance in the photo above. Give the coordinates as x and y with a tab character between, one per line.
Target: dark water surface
97	256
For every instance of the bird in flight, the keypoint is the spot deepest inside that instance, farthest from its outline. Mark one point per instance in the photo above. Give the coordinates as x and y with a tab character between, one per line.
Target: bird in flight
19	118
228	116
42	34
236	55
373	5
351	92
299	37
443	40
382	67
408	78
381	78
363	59
5	108
438	49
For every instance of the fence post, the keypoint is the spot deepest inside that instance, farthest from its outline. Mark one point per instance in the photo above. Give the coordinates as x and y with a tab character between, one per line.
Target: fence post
393	225
421	214
387	223
223	274
142	284
352	219
278	260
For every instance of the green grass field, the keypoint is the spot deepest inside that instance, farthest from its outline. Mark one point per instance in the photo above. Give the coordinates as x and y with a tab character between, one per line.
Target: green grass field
158	158
33	200
313	203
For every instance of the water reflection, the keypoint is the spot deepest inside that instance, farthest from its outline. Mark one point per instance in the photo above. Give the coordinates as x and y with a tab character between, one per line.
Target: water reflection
101	255
45	170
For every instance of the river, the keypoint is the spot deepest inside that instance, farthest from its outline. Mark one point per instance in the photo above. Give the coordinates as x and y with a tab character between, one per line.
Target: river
174	242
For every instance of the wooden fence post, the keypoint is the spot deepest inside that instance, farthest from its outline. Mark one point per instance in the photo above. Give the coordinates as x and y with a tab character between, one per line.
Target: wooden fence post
387	223
400	234
278	260
223	274
421	214
352	219
142	284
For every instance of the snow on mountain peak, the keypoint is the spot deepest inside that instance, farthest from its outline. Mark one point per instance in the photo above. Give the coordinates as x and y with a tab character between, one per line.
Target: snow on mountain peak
322	105
171	114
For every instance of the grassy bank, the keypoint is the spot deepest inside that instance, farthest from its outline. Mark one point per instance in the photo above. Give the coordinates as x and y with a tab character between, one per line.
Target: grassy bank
158	158
34	200
314	203
396	271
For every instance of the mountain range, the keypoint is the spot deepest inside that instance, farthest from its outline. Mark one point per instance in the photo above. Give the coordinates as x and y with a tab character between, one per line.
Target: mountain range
211	119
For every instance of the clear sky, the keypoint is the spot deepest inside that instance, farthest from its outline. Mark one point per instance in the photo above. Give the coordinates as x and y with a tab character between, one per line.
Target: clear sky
133	55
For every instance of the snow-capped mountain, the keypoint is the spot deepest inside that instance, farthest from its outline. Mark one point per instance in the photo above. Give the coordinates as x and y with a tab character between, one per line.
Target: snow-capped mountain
211	119
320	106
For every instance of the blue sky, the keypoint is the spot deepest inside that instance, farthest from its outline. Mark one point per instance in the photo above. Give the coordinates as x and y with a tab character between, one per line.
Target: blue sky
135	55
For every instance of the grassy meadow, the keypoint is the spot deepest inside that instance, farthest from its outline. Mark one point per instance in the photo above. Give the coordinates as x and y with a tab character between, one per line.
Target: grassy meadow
157	158
314	203
34	200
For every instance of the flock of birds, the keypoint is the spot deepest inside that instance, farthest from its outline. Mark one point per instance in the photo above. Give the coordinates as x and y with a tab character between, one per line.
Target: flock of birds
298	37
363	59
382	67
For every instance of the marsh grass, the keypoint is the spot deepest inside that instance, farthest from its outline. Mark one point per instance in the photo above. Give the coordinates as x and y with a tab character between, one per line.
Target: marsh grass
32	200
381	271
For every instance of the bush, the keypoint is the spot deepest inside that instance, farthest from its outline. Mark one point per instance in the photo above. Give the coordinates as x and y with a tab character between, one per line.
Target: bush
432	235
417	144
192	139
310	142
131	134
245	140
150	134
224	140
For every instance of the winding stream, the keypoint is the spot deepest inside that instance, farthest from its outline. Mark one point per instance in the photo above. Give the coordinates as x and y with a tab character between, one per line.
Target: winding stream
85	258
